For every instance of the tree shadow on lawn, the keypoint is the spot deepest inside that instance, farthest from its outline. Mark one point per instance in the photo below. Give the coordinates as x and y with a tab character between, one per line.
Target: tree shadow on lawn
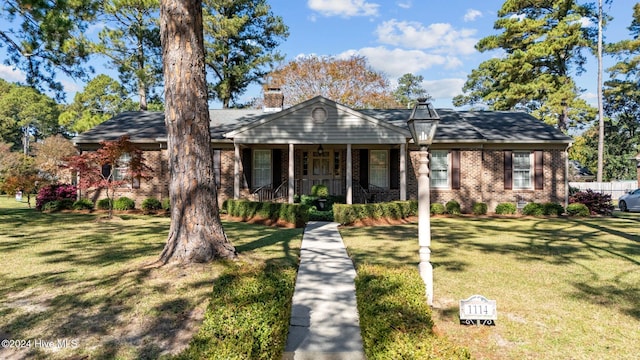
92	289
557	241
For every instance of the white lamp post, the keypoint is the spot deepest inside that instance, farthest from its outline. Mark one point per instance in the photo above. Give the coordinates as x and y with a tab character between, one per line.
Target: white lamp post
422	125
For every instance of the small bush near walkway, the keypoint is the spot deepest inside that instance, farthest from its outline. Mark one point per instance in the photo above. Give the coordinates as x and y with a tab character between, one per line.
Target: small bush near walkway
349	214
395	320
295	214
597	203
248	314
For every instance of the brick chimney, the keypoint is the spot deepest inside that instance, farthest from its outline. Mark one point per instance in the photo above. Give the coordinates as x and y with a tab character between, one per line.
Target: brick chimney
273	99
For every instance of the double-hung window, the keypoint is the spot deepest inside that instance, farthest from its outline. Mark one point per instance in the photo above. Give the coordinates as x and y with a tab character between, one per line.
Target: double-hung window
379	168
122	167
440	169
261	168
522	170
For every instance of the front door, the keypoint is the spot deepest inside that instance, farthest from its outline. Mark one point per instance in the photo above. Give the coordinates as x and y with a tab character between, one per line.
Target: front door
323	168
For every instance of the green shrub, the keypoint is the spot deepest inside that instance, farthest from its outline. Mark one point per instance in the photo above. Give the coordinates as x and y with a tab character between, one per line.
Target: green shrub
320	190
124	203
552	209
479	208
506	209
318	215
247	316
578	209
297	214
104	204
395	320
349	214
83	204
437	209
453	207
57	205
533	209
166	206
151	204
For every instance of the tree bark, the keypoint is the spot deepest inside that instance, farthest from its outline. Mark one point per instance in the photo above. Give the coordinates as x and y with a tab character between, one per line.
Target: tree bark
196	233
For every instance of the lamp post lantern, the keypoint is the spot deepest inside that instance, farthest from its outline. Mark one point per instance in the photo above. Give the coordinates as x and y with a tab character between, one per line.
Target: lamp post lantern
422	125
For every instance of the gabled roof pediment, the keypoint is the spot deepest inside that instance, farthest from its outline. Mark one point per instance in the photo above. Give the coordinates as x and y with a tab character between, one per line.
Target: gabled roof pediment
319	121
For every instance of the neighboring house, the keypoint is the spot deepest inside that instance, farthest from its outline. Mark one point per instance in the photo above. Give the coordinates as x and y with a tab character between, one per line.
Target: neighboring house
363	155
579	173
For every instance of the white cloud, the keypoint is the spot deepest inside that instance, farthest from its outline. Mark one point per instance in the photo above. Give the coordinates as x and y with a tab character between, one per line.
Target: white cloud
407	4
344	8
472	14
441	37
397	62
444	88
10	74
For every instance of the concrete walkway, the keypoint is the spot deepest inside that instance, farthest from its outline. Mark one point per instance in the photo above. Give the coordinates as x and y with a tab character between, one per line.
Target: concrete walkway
324	317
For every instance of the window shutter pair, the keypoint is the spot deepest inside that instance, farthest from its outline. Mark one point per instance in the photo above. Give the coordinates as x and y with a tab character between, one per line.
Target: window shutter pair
538	170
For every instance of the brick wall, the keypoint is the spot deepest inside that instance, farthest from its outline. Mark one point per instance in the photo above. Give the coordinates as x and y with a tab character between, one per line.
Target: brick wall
482	180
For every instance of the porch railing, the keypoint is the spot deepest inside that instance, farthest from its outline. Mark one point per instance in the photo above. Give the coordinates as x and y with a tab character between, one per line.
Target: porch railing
268	193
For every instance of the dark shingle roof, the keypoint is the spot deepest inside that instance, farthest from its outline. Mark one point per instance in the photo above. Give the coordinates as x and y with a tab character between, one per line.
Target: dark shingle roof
496	126
455	126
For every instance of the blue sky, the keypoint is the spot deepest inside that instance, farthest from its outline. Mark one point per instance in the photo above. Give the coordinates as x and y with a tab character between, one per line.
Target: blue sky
434	39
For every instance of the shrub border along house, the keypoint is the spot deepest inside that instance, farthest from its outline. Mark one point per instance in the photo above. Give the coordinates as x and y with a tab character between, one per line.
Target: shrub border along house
273	213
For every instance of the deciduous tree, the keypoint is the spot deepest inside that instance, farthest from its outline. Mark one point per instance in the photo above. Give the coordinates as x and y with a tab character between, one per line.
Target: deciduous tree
543	44
350	81
100	169
33	113
241	37
51	155
196	233
18	173
101	99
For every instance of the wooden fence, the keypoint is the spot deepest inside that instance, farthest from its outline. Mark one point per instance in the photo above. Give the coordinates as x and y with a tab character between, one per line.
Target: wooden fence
614	188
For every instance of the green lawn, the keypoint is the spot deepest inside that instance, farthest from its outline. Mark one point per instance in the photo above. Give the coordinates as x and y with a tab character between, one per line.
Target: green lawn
89	285
565	288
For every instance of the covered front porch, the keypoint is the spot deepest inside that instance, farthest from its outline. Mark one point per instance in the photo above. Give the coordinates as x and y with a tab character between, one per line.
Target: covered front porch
321	142
358	173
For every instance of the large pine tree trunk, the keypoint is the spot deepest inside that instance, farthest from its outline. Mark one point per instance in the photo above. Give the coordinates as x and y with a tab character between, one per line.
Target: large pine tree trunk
196	233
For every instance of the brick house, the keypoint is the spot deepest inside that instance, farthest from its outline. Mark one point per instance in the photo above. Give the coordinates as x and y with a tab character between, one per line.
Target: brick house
363	155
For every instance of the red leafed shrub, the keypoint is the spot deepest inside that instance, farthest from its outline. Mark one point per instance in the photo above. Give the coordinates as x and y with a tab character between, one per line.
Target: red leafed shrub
55	192
597	203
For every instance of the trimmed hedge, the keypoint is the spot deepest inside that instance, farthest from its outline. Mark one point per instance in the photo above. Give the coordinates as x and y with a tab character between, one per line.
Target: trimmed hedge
437	209
453	207
83	204
124	203
506	209
578	209
103	204
395	320
151	204
480	208
349	214
296	214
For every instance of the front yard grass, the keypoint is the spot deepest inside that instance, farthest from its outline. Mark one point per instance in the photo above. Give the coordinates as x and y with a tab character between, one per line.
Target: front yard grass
566	288
77	286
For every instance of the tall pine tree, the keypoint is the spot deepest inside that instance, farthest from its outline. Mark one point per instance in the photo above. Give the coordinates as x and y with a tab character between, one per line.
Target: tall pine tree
241	37
543	44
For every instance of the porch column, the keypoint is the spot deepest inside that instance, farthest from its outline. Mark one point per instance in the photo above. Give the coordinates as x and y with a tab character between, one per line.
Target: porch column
349	176
403	172
236	172
292	175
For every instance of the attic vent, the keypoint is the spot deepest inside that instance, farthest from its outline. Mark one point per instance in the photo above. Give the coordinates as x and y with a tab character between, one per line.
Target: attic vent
319	114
